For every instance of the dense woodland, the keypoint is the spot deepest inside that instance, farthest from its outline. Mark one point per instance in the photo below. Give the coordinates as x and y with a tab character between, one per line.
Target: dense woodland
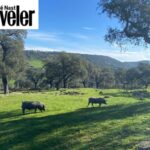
65	70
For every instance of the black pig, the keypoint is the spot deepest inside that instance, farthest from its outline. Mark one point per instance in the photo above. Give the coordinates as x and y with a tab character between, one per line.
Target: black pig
32	105
96	101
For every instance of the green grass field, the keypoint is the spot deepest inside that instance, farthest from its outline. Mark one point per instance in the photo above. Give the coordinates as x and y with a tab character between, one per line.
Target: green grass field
68	124
36	63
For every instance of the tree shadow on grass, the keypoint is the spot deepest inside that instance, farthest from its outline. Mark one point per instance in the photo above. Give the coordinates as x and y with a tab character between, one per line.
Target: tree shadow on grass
123	138
118	94
10	114
137	94
16	113
64	131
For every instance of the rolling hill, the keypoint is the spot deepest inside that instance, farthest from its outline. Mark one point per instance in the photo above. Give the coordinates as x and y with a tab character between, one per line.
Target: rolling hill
36	57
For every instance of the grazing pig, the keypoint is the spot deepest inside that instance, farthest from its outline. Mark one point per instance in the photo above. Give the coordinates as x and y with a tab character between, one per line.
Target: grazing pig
32	105
97	101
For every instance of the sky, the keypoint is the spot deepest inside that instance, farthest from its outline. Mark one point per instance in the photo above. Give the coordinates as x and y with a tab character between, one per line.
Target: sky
76	26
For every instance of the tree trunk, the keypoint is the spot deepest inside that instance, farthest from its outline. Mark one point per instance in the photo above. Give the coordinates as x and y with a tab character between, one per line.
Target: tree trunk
5	84
57	86
64	84
97	85
84	84
51	84
35	85
146	86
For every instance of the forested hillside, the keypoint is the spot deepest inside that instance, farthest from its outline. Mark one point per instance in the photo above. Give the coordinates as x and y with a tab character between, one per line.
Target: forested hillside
36	57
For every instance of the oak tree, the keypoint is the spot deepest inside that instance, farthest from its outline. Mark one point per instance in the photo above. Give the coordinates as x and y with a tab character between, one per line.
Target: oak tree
11	54
134	19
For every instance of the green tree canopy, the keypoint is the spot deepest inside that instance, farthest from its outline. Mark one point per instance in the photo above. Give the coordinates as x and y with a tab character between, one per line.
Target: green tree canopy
64	68
11	54
34	75
134	18
144	74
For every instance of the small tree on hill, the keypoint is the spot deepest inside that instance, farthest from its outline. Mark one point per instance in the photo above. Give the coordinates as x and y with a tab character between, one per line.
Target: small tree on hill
34	75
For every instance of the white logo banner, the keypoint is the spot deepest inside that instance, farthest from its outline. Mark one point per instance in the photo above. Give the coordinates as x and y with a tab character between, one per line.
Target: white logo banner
19	14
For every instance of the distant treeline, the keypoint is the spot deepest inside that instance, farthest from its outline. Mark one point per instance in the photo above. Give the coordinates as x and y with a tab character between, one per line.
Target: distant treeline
64	70
100	60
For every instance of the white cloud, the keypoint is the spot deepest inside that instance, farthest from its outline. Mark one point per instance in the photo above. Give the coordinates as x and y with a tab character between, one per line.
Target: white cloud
56	37
121	56
64	45
125	56
42	36
78	36
40	48
88	28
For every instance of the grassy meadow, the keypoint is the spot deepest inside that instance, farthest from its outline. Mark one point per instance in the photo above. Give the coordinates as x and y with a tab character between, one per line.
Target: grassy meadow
36	63
68	124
